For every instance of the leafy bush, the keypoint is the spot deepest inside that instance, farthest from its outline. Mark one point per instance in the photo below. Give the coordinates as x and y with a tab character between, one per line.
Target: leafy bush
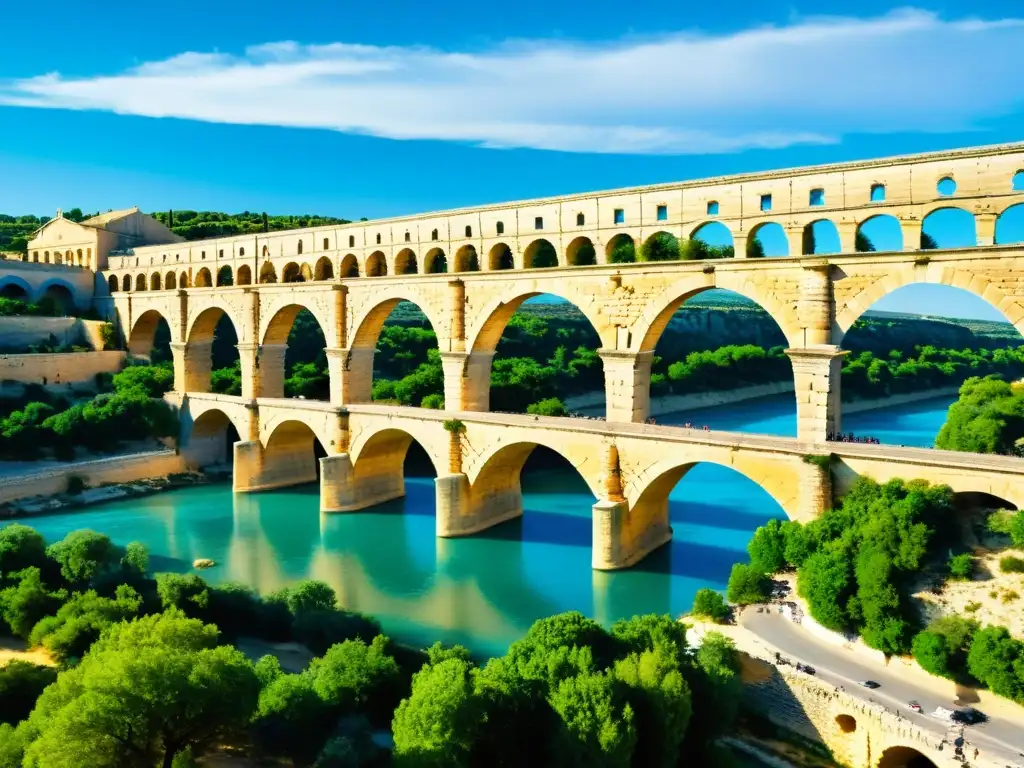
988	417
961	566
747	584
551	406
1011	564
709	604
21	683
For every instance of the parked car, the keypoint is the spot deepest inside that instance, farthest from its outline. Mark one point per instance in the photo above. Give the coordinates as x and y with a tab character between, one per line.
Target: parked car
870	684
914	706
969	716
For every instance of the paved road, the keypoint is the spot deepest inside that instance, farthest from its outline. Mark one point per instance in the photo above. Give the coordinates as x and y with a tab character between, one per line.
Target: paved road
997	738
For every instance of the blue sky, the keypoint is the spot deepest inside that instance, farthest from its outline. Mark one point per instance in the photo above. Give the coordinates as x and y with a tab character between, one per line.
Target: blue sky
394	107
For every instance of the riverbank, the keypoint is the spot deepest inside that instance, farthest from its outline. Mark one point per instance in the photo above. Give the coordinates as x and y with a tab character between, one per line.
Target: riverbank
592	402
83	483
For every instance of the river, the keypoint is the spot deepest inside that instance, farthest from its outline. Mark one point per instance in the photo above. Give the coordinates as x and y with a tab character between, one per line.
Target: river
483	591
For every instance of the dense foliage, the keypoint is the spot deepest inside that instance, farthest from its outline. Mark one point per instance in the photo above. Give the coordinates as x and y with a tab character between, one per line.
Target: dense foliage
988	417
855	561
147	679
133	411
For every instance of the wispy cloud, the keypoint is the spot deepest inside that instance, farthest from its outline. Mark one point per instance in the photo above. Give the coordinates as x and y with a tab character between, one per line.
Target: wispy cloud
812	81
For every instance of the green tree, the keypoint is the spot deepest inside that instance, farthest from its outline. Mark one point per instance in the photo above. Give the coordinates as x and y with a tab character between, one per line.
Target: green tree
598	722
709	604
354	677
291	720
148	691
995	659
551	406
78	623
26	601
84	556
988	417
21	547
961	566
767	548
21	683
747	584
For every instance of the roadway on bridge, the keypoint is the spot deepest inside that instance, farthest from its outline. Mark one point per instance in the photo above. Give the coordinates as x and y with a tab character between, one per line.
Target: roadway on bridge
1000	739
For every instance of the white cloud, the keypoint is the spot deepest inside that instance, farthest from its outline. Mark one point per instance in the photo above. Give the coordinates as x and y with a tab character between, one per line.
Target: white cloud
812	81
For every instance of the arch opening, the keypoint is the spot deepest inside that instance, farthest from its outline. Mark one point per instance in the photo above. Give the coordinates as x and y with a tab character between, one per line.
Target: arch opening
171	281
398	353
376	265
540	254
941	336
210	439
293	358
820	236
140	282
500	257
661	246
349	267
768	240
880	232
155	282
112	287
18	289
291	456
150	338
292	273
203	278
710	240
126	283
581	253
405	262
224	276
323	269
535	352
1010	225
466	259
435	262
620	250
60	297
212	361
267	273
948	228
704	341
392	464
184	281
904	757
244	276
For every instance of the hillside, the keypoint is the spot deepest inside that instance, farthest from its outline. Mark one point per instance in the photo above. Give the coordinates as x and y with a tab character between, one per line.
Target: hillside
15	231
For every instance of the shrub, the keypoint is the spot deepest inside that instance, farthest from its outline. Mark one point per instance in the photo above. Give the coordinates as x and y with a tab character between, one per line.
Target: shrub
961	566
709	604
1011	564
434	401
551	406
20	686
747	584
454	425
108	336
84	555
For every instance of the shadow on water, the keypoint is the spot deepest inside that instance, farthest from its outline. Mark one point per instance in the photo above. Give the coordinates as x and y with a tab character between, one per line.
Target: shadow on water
690	560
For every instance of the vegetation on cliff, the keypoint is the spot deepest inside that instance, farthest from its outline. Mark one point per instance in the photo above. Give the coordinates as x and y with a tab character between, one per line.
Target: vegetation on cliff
148	677
134	410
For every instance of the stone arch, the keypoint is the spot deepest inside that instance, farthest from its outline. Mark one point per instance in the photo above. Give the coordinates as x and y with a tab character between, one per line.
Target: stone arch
1010	225
290	454
142	335
904	757
244	275
79	259
323	269
936	274
500	257
291	273
267	273
776	240
349	266
435	262
224	276
155	282
14	287
199	337
376	265
712	230
112	285
580	253
277	318
170	281
651	324
370	319
660	246
948	226
621	249
60	293
820	236
126	283
483	334
497	470
140	282
184	281
378	460
405	262
540	254
203	279
306	273
466	259
207	431
881	226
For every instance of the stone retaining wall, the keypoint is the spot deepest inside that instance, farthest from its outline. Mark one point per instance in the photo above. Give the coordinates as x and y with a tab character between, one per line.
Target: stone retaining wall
55	370
119	469
17	333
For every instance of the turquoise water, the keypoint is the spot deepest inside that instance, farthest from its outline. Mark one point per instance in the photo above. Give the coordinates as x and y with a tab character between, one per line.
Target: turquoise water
483	591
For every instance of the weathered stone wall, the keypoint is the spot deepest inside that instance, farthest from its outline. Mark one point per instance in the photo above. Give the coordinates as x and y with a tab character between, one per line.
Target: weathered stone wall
17	333
56	370
118	469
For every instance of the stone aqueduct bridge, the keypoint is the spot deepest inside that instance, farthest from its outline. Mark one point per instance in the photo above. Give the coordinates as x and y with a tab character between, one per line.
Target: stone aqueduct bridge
629	467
